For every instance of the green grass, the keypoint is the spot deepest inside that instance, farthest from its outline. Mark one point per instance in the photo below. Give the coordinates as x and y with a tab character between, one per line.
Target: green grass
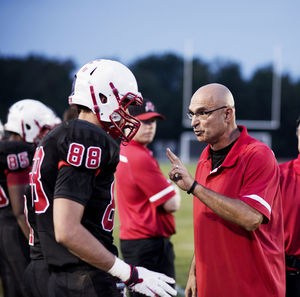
183	240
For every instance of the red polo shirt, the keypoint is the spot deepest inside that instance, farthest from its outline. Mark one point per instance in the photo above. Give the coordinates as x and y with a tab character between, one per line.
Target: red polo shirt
290	194
230	261
141	189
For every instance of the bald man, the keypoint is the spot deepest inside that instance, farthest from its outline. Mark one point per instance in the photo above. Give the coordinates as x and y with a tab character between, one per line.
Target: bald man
238	228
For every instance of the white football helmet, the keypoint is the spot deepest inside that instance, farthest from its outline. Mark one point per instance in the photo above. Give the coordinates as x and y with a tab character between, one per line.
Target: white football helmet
1	130
31	119
107	88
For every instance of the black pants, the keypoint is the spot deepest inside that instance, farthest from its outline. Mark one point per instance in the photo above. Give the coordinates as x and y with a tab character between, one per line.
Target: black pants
292	284
82	281
156	254
14	257
36	278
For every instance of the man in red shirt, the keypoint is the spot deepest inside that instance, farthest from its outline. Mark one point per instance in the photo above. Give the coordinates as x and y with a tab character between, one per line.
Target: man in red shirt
238	227
146	200
290	193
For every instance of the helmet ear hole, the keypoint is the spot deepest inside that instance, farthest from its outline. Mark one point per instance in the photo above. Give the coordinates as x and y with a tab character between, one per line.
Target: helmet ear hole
28	127
103	98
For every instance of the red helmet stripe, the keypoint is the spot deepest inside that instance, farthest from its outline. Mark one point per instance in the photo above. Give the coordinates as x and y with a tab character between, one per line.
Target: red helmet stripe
96	106
23	130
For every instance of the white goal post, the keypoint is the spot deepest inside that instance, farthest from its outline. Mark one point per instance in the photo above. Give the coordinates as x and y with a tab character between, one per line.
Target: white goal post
261	126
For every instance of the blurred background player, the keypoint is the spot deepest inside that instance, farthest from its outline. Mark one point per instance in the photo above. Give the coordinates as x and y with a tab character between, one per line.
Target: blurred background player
146	200
25	126
73	182
28	121
39	119
290	194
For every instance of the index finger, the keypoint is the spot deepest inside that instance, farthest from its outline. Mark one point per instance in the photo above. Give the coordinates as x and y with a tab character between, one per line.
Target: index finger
172	157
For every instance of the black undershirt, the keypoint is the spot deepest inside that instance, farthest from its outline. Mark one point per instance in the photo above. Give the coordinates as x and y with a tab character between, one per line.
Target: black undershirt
217	157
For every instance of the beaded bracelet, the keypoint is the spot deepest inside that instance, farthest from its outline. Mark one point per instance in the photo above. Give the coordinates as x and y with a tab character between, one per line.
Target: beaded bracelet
192	187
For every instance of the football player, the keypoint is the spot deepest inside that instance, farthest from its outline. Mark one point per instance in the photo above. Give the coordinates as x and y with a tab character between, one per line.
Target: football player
73	182
27	122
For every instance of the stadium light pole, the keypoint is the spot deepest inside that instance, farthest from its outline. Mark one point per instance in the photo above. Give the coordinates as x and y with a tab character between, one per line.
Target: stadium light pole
187	80
187	94
276	89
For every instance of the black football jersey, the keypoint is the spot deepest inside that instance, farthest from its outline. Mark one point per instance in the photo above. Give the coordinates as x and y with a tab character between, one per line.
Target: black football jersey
76	160
14	156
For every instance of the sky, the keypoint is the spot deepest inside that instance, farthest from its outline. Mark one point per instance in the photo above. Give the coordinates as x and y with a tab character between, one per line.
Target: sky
249	33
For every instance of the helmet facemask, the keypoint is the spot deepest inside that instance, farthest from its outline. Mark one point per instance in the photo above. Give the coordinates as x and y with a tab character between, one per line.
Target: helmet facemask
122	125
43	130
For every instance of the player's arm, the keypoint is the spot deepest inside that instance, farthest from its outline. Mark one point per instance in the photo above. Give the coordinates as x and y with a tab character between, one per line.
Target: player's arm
152	182
16	184
191	285
233	210
173	204
69	231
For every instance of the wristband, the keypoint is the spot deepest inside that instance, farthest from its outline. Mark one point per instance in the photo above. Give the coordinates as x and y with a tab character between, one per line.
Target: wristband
192	187
121	270
134	277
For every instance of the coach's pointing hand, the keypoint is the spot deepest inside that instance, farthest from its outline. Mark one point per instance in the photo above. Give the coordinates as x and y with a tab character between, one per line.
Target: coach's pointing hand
178	173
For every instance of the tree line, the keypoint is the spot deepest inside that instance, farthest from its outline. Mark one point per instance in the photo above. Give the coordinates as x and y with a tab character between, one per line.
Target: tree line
160	79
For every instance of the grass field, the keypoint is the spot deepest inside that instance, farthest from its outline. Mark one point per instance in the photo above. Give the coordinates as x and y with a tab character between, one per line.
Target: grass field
183	239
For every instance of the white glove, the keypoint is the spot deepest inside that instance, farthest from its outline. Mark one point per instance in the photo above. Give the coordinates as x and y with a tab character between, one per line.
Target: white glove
150	283
142	280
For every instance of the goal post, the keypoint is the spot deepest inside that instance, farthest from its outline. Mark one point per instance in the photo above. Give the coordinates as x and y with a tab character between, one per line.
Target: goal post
261	127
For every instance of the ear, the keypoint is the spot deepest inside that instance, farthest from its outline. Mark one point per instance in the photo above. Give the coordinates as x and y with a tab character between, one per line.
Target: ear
229	113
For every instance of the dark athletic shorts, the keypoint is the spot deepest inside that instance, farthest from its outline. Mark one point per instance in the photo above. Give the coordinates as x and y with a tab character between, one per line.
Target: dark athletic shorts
14	257
82	281
155	254
36	278
292	283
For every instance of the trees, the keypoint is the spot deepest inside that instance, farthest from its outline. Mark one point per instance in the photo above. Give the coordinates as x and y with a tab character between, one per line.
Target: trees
160	78
37	78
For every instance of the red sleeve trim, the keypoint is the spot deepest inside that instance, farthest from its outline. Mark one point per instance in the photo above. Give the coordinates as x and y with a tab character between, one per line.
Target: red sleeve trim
62	163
